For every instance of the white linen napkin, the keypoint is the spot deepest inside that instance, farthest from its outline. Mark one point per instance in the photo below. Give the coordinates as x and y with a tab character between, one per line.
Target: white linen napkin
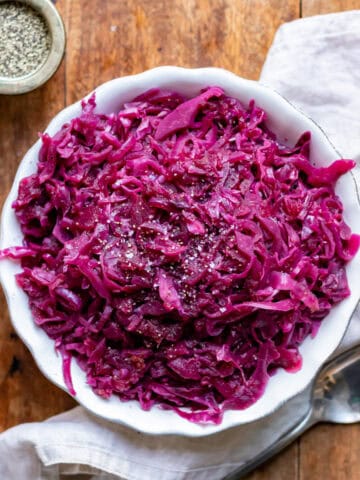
313	62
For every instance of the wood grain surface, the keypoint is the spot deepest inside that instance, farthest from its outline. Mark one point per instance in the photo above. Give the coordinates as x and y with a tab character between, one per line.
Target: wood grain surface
105	39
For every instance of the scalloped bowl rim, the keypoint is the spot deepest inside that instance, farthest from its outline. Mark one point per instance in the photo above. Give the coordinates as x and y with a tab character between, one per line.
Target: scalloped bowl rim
287	122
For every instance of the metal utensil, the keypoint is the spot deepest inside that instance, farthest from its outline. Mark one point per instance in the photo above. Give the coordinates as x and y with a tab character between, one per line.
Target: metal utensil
335	398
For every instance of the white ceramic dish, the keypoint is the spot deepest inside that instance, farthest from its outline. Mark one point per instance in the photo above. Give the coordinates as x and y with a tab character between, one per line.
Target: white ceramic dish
288	123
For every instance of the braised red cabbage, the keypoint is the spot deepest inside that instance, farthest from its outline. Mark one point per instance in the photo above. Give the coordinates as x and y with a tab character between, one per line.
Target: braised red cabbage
179	252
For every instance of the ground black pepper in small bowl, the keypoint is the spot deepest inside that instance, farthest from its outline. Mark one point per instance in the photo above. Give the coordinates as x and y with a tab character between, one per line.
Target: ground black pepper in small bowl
24	39
32	44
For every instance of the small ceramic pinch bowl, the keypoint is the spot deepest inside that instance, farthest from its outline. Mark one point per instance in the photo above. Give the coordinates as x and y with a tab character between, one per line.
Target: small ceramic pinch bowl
36	78
288	123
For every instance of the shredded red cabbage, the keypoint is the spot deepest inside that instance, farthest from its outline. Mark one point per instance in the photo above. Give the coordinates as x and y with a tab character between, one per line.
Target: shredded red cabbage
179	252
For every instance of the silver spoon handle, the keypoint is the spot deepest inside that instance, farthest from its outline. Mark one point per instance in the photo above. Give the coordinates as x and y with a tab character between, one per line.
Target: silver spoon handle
275	448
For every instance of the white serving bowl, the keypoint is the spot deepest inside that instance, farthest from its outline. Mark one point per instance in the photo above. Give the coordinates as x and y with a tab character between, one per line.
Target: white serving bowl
288	123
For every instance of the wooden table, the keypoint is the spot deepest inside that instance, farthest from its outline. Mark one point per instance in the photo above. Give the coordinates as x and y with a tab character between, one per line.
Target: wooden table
109	38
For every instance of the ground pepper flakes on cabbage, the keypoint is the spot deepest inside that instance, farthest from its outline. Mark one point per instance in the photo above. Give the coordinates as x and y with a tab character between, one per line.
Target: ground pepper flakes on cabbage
179	252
